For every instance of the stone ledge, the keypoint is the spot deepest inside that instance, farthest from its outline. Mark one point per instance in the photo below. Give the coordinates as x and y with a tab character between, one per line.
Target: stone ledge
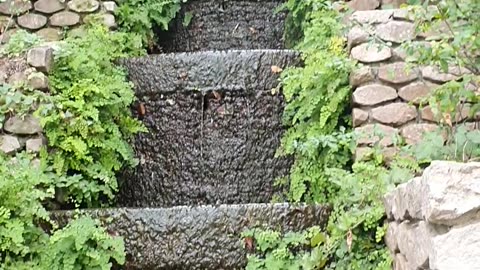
235	70
205	237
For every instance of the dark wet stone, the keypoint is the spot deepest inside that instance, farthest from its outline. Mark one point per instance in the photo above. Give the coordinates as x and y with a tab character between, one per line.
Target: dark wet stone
205	71
205	237
227	24
205	147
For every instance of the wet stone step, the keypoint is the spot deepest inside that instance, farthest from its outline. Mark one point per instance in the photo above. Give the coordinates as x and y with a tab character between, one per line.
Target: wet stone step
204	237
212	144
226	24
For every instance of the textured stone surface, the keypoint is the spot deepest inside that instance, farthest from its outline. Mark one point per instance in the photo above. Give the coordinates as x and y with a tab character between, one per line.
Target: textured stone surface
391	237
452	192
32	21
407	201
226	25
9	7
109	20
413	133
373	94
17	78
395	114
372	16
64	18
26	126
41	58
373	133
110	6
400	262
397	73
414	242
432	73
395	31
234	70
206	237
37	81
359	117
83	6
364	4
371	53
206	147
457	249
50	34
9	144
49	6
416	91
361	76
357	35
34	145
393	3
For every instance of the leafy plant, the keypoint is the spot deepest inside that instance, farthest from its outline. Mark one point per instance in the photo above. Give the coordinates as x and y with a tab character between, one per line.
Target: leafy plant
20	42
88	122
25	186
140	16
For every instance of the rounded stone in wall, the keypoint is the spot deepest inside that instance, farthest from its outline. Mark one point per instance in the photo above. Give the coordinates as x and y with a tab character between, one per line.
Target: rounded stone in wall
83	6
48	6
32	21
50	34
8	34
64	18
14	7
371	53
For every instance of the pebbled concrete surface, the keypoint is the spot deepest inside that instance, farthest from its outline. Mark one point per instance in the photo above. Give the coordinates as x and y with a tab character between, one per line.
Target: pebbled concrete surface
234	70
205	147
205	237
225	24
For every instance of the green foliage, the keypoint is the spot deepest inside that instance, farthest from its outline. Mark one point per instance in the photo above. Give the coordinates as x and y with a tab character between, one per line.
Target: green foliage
24	244
83	244
140	16
18	102
290	251
88	120
19	43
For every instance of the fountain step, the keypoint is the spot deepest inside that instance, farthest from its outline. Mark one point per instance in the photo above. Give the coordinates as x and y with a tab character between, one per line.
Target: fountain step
204	237
207	147
226	24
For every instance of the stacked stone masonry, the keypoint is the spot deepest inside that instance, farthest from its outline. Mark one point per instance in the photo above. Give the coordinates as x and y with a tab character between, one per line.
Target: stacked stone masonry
50	18
387	91
29	72
434	220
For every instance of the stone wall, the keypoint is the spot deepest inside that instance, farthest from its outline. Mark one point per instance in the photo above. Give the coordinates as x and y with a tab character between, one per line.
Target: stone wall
50	18
434	220
387	92
23	132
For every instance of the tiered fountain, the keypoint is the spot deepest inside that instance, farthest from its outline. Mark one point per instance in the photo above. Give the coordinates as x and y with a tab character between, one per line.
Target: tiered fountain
207	165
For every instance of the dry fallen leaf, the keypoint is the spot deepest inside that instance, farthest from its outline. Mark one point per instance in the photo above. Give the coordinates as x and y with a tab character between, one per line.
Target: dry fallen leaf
253	30
448	120
276	69
217	95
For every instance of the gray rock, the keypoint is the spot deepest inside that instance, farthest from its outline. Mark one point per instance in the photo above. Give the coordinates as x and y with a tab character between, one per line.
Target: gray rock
38	81
9	144
110	6
371	53
364	4
32	21
361	76
109	20
451	192
400	263
204	237
395	31
49	6
391	237
457	249
29	125
415	243
395	114
50	34
35	145
16	7
372	16
376	133
64	18
83	6
397	73
373	94
41	58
